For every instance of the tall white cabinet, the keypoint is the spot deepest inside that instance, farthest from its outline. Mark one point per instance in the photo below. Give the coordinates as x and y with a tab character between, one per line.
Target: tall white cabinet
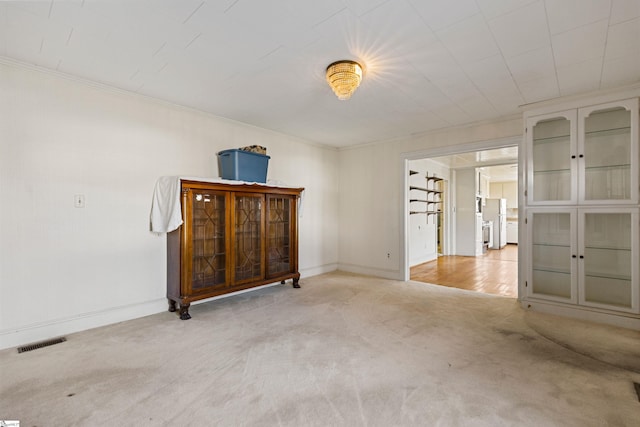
582	212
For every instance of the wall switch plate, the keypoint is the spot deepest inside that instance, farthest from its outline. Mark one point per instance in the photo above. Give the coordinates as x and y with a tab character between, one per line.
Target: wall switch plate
78	200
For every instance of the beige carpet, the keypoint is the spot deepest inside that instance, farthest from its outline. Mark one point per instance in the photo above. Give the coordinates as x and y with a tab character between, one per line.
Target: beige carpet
345	350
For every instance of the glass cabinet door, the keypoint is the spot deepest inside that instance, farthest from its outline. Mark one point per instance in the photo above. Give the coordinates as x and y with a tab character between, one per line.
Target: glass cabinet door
208	242
608	153
609	258
248	236
552	259
279	239
551	167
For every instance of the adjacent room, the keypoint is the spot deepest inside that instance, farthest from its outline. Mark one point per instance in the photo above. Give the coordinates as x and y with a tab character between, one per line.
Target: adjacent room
242	212
474	250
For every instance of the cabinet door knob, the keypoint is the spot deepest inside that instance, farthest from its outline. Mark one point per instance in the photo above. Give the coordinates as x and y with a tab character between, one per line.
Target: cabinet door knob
581	256
573	256
573	157
581	155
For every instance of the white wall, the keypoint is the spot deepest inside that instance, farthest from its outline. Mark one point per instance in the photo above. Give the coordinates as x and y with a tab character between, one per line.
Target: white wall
64	269
465	207
372	180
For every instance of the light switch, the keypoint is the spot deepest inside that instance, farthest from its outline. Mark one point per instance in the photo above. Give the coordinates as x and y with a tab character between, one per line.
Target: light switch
78	201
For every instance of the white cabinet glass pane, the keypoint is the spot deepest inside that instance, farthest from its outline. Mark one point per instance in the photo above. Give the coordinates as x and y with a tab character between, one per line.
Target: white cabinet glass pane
608	291
607	230
551	254
607	258
552	185
606	262
607	155
552	283
551	229
552	160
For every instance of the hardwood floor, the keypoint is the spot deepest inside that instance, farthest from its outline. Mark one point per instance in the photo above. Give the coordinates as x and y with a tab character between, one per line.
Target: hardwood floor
495	272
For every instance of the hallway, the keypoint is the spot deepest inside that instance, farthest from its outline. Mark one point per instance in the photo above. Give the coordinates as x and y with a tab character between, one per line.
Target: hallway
495	272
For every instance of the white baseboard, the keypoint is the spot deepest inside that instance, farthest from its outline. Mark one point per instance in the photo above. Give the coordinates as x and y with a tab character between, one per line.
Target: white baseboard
622	320
314	271
28	334
422	259
370	271
46	330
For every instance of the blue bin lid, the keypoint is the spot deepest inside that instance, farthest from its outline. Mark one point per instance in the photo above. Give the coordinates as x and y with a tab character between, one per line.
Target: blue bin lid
235	150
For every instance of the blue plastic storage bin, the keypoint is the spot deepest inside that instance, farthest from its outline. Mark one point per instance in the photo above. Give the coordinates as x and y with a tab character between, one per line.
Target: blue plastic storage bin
242	165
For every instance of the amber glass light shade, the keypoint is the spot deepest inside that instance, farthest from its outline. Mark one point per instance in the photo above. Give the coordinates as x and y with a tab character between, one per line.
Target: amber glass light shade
344	77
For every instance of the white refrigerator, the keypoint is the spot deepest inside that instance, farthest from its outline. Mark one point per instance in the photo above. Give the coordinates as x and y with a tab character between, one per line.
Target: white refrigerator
496	210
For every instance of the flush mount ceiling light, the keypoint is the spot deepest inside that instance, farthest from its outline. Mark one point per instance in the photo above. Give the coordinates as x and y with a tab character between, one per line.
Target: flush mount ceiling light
344	78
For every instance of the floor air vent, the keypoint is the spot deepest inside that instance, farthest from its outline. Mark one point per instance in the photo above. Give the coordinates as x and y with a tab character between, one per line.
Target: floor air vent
41	344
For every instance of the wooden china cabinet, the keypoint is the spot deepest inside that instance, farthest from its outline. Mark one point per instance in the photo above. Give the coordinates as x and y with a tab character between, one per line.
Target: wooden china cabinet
233	237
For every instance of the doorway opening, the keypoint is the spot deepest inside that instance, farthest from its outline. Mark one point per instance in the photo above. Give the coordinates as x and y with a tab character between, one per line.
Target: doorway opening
463	232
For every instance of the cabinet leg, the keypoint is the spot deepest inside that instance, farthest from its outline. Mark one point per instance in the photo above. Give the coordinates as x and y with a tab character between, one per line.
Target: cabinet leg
296	283
172	305
184	312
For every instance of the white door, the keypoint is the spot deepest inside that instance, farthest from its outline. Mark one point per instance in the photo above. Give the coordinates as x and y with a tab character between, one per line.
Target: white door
551	169
608	153
552	255
608	258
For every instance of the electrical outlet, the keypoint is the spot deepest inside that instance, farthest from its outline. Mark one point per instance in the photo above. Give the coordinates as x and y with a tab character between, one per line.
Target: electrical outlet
78	201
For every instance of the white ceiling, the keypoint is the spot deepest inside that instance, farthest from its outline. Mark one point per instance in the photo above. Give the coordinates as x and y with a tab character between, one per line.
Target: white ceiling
498	165
429	64
497	156
503	173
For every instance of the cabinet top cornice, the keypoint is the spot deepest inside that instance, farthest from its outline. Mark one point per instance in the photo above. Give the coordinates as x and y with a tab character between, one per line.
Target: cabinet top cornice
166	213
231	185
580	101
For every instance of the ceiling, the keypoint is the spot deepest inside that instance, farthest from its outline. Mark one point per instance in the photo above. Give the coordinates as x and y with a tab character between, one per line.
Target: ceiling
503	173
498	165
428	64
497	156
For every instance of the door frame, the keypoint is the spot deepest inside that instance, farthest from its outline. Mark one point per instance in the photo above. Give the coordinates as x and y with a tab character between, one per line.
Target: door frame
452	150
